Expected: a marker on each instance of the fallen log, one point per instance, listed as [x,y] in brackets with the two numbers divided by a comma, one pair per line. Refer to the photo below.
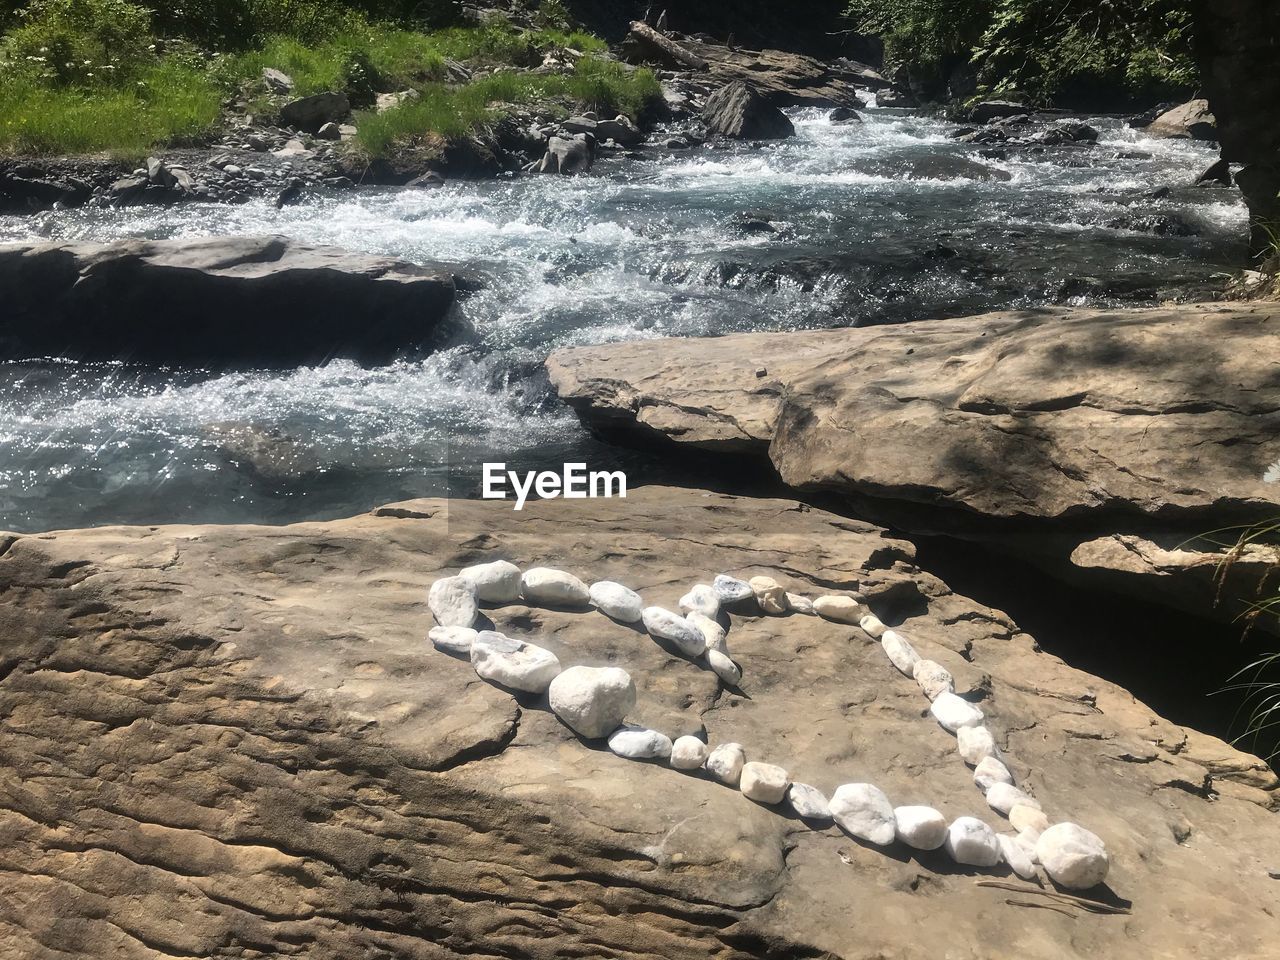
[663,47]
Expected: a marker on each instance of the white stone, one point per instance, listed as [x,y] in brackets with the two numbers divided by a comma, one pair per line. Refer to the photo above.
[592,701]
[640,743]
[972,842]
[724,667]
[725,763]
[688,753]
[1003,797]
[453,639]
[1073,856]
[990,771]
[614,600]
[554,587]
[453,602]
[872,626]
[953,712]
[921,827]
[839,609]
[513,663]
[808,802]
[1028,819]
[674,628]
[731,589]
[495,582]
[763,782]
[799,604]
[769,594]
[900,653]
[711,632]
[701,599]
[933,678]
[1017,853]
[976,744]
[865,812]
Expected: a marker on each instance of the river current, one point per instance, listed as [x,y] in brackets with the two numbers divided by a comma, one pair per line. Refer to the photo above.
[881,222]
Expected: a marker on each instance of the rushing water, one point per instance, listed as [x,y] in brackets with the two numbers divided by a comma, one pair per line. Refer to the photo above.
[867,232]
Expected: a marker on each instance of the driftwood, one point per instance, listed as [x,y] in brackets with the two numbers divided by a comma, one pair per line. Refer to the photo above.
[1093,906]
[663,47]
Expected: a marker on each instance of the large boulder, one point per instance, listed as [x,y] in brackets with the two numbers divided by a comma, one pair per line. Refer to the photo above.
[1192,120]
[237,740]
[313,112]
[567,156]
[737,110]
[258,300]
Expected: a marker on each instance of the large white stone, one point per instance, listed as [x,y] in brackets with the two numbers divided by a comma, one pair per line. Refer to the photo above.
[1028,819]
[808,802]
[954,712]
[495,582]
[972,842]
[1073,856]
[1018,854]
[513,663]
[900,653]
[933,678]
[453,602]
[921,827]
[839,609]
[553,587]
[991,771]
[731,590]
[976,744]
[592,701]
[675,629]
[453,639]
[688,753]
[614,600]
[711,632]
[802,605]
[725,763]
[769,594]
[763,782]
[1003,797]
[864,811]
[640,743]
[872,626]
[700,599]
[722,666]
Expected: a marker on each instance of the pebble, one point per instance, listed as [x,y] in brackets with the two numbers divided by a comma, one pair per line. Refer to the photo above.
[731,590]
[1003,797]
[921,827]
[972,842]
[701,599]
[872,626]
[1018,854]
[688,753]
[990,771]
[764,782]
[799,604]
[953,712]
[666,625]
[592,701]
[839,609]
[725,763]
[769,594]
[640,743]
[865,812]
[616,601]
[724,668]
[513,663]
[711,632]
[808,802]
[1072,856]
[900,653]
[555,587]
[1025,818]
[453,639]
[933,678]
[496,582]
[453,602]
[976,744]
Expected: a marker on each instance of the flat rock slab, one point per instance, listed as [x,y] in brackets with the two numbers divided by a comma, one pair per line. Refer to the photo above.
[237,741]
[243,300]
